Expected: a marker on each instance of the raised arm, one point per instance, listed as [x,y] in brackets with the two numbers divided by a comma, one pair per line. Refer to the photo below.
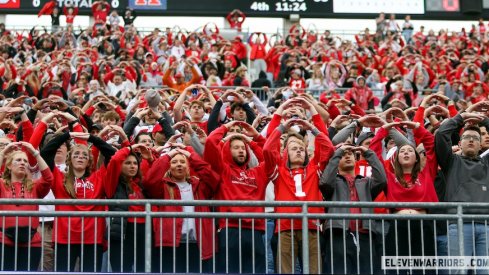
[443,140]
[152,182]
[49,151]
[105,149]
[378,179]
[207,176]
[114,171]
[327,183]
[213,147]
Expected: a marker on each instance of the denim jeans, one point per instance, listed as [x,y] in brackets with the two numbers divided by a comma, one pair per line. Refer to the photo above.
[474,242]
[267,241]
[442,250]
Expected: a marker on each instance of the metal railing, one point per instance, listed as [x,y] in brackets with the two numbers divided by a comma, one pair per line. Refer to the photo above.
[453,214]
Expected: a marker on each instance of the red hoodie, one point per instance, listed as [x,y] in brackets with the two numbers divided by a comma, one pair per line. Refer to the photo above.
[360,95]
[204,183]
[284,178]
[238,182]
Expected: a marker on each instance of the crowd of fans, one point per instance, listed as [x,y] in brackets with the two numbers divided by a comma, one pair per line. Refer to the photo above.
[108,113]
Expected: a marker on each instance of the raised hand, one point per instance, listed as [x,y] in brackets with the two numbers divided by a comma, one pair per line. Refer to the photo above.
[371,121]
[143,150]
[78,135]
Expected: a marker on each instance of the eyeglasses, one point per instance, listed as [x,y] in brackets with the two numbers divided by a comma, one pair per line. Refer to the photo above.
[471,137]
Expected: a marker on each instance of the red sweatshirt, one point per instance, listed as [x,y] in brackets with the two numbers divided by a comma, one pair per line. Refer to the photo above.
[92,230]
[423,189]
[238,182]
[39,190]
[204,183]
[301,184]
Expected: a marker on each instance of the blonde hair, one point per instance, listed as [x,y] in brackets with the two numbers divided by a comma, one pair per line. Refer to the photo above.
[69,180]
[168,173]
[7,174]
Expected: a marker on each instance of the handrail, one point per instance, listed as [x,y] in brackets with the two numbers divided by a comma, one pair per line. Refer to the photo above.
[431,205]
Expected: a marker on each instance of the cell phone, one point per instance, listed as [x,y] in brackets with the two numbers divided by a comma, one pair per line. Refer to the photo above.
[28,101]
[231,98]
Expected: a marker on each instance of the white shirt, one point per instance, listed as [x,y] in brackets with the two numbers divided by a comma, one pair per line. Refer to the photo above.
[177,51]
[124,87]
[188,227]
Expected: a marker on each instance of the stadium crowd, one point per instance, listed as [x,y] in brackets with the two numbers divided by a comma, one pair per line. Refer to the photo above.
[109,113]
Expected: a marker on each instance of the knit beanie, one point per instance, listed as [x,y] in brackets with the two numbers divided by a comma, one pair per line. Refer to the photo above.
[153,99]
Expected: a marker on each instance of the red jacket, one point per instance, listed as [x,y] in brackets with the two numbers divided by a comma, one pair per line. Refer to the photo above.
[204,183]
[39,190]
[238,182]
[285,178]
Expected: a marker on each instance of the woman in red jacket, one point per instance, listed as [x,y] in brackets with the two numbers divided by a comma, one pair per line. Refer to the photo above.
[123,181]
[19,238]
[407,182]
[185,177]
[78,237]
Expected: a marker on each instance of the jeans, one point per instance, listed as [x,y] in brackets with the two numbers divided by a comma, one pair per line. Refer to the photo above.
[407,34]
[259,65]
[475,244]
[442,250]
[267,241]
[442,245]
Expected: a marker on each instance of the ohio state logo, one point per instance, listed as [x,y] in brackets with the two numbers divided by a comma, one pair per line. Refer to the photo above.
[148,3]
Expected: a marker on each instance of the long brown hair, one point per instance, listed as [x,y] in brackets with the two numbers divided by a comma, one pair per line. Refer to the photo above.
[7,174]
[398,171]
[127,180]
[69,181]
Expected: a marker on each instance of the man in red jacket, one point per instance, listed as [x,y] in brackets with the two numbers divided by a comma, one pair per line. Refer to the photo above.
[239,182]
[297,179]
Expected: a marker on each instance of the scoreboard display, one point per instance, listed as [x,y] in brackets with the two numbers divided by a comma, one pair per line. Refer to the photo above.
[419,9]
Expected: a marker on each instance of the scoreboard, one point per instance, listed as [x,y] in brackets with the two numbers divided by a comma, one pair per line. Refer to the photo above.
[419,9]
